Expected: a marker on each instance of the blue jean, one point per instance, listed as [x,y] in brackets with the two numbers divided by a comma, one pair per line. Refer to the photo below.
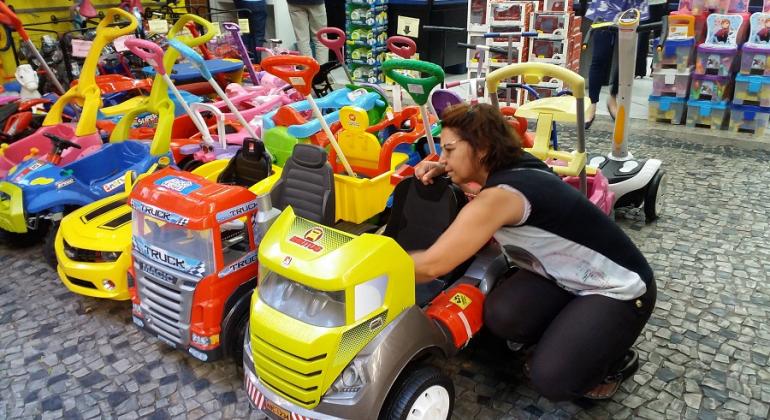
[256,12]
[601,62]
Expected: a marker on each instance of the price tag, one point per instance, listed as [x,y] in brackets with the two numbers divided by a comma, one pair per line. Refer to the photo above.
[414,88]
[80,48]
[158,26]
[297,81]
[669,78]
[244,24]
[120,42]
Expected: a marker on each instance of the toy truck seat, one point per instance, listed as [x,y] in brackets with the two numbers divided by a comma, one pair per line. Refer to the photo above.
[250,165]
[307,185]
[420,214]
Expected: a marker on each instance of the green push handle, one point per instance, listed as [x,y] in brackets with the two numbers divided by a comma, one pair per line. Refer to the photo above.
[419,88]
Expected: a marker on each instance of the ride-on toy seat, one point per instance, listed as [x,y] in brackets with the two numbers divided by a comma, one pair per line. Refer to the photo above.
[307,184]
[112,160]
[250,165]
[421,213]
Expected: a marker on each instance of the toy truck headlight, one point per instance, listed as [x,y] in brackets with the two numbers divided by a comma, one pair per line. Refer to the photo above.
[110,256]
[350,381]
[315,307]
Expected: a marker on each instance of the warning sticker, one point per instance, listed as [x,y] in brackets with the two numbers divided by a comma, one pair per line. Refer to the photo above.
[461,300]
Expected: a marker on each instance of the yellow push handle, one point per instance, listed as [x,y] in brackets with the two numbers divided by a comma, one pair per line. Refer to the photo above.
[111,32]
[533,73]
[190,41]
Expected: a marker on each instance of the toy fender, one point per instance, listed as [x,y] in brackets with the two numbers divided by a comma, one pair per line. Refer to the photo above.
[366,101]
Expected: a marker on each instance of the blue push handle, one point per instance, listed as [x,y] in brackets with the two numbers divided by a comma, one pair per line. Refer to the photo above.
[501,34]
[195,59]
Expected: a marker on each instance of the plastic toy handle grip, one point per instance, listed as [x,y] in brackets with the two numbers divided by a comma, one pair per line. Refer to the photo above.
[195,59]
[419,88]
[337,44]
[231,27]
[190,41]
[323,37]
[533,73]
[402,46]
[149,52]
[111,17]
[297,71]
[9,18]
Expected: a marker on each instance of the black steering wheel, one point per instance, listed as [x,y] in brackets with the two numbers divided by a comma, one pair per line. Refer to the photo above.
[60,144]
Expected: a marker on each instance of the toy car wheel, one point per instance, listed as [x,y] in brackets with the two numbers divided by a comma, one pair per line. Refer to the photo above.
[191,165]
[49,254]
[23,240]
[653,199]
[423,393]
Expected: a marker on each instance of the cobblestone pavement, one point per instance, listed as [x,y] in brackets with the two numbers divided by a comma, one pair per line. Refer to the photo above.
[703,355]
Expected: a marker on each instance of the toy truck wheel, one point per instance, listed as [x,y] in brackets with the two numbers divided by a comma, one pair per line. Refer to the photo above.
[653,199]
[49,254]
[423,393]
[235,337]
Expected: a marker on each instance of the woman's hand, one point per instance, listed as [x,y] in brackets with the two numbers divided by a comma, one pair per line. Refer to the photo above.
[425,171]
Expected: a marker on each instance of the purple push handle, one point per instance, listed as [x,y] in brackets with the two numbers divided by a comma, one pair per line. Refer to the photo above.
[335,44]
[235,31]
[402,46]
[149,52]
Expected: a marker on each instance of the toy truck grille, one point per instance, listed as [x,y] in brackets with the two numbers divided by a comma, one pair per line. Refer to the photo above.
[296,378]
[166,299]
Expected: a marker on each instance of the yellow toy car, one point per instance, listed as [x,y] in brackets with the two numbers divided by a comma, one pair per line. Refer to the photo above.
[339,330]
[93,245]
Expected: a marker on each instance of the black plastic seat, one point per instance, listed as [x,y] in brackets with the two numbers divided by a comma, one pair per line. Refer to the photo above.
[250,165]
[307,185]
[420,214]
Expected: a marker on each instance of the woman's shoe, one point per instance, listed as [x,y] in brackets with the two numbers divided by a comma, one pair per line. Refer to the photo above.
[588,123]
[610,385]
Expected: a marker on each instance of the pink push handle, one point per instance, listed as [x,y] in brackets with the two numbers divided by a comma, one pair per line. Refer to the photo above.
[402,46]
[147,51]
[335,44]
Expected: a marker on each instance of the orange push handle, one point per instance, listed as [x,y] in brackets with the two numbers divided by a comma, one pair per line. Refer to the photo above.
[297,71]
[9,18]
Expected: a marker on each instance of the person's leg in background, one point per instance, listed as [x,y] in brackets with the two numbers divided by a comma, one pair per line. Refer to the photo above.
[335,17]
[603,44]
[658,10]
[317,16]
[257,23]
[300,21]
[256,12]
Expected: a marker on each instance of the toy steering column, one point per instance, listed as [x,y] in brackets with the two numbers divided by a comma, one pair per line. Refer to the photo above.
[299,71]
[627,23]
[418,88]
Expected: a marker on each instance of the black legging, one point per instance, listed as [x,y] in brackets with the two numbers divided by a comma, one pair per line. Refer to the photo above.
[580,339]
[603,43]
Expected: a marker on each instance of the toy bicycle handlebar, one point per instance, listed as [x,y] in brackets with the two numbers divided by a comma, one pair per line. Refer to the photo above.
[419,88]
[619,22]
[111,32]
[335,44]
[533,73]
[502,34]
[149,52]
[490,48]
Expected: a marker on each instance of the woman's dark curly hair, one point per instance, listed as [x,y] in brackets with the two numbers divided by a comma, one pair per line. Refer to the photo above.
[485,128]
